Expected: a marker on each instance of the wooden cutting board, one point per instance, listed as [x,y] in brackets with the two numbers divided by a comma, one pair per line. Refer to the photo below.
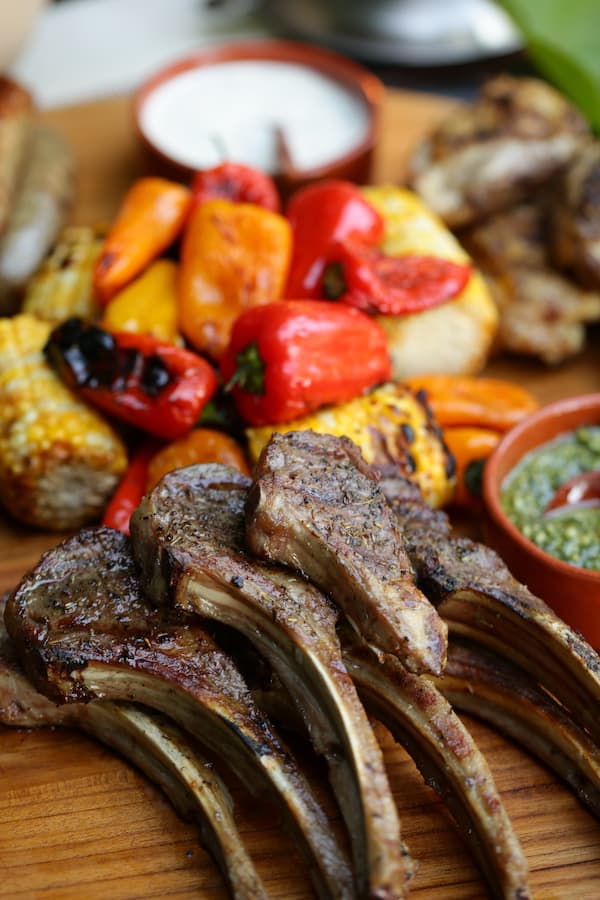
[78,822]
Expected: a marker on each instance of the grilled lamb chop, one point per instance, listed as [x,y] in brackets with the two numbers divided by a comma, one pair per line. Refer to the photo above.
[157,747]
[420,719]
[479,598]
[84,631]
[492,154]
[316,506]
[188,537]
[482,684]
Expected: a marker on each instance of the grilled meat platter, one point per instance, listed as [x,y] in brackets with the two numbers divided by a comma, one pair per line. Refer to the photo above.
[296,675]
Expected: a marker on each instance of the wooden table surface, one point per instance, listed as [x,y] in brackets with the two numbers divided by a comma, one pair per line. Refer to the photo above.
[78,822]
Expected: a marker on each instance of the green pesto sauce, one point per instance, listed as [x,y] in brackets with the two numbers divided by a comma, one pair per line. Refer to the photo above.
[573,533]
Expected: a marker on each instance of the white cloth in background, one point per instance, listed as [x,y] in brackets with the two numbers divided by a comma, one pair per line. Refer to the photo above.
[85,49]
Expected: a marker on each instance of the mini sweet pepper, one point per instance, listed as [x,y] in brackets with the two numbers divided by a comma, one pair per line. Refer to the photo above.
[286,359]
[151,384]
[150,218]
[234,256]
[321,215]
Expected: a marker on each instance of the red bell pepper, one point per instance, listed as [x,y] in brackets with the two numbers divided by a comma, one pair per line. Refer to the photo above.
[238,183]
[321,215]
[139,379]
[131,488]
[390,285]
[288,358]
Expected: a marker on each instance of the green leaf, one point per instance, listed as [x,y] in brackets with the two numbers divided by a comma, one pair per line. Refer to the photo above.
[563,41]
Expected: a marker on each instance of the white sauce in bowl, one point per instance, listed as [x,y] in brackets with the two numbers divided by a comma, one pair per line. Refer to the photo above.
[231,111]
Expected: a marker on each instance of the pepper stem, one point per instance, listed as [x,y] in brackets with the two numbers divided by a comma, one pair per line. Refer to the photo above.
[249,371]
[333,283]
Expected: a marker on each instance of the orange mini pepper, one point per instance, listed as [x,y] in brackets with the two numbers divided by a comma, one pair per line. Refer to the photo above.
[151,216]
[234,256]
[202,445]
[148,305]
[469,400]
[470,447]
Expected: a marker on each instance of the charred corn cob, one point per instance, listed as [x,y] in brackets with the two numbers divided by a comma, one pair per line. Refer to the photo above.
[59,461]
[62,286]
[392,427]
[455,337]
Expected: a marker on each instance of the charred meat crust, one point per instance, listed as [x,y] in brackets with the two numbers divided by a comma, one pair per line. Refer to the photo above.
[85,631]
[157,747]
[483,684]
[316,506]
[188,537]
[419,718]
[479,598]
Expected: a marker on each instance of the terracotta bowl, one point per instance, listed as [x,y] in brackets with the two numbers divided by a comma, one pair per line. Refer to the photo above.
[353,165]
[573,592]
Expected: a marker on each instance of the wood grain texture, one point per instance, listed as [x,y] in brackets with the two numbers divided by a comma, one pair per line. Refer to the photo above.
[78,822]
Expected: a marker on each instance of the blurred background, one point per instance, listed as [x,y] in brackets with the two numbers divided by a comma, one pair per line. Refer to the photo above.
[74,50]
[68,51]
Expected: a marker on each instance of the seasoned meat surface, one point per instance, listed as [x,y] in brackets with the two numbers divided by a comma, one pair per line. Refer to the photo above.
[84,630]
[421,719]
[479,598]
[575,217]
[480,682]
[188,537]
[316,506]
[542,313]
[490,155]
[153,744]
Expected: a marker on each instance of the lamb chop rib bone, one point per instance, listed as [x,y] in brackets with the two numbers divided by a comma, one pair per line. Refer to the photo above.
[84,631]
[188,538]
[483,684]
[297,467]
[316,506]
[479,598]
[419,718]
[157,747]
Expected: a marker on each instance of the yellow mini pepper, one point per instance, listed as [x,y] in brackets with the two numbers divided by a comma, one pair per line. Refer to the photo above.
[148,305]
[234,256]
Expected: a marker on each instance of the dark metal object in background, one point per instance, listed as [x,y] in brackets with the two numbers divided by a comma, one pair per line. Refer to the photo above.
[406,32]
[421,44]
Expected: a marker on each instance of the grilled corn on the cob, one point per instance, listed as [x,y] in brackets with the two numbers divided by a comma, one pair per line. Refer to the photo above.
[455,337]
[59,461]
[62,286]
[392,428]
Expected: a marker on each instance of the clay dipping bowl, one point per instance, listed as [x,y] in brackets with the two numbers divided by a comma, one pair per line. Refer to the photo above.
[571,591]
[353,164]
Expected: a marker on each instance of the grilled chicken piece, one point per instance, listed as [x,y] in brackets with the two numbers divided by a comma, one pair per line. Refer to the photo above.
[482,684]
[420,719]
[84,631]
[157,747]
[188,538]
[479,598]
[490,155]
[575,217]
[541,312]
[315,505]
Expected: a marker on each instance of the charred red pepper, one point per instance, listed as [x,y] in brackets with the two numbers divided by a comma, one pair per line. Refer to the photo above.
[390,285]
[139,379]
[288,358]
[131,488]
[321,215]
[238,183]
